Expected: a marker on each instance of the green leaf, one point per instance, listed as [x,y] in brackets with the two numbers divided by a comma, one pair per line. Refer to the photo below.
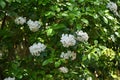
[84,58]
[2,3]
[19,1]
[58,26]
[50,60]
[49,32]
[95,42]
[9,1]
[78,26]
[85,21]
[80,1]
[50,14]
[117,34]
[57,64]
[105,20]
[89,56]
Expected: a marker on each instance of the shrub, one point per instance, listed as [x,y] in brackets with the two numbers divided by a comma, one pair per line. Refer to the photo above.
[59,39]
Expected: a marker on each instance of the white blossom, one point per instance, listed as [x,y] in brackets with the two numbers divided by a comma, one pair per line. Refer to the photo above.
[69,54]
[33,25]
[37,48]
[112,6]
[73,55]
[20,20]
[63,69]
[68,40]
[82,36]
[9,78]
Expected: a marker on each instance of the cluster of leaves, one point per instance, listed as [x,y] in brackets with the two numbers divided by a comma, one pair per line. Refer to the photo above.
[98,58]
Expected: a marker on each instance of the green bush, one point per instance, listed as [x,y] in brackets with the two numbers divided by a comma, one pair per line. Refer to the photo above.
[59,39]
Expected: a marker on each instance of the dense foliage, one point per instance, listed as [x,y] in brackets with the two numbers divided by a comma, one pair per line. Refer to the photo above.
[52,24]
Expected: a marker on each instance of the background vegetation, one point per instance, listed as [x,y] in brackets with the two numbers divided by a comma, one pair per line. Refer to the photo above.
[98,58]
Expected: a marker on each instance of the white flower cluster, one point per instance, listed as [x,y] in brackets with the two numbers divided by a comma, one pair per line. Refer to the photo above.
[37,48]
[82,36]
[68,40]
[9,78]
[112,6]
[20,20]
[33,25]
[69,54]
[63,69]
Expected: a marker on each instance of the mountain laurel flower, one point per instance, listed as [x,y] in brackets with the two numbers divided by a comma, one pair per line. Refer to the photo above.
[33,25]
[112,6]
[37,48]
[20,20]
[68,40]
[9,78]
[82,36]
[63,69]
[69,54]
[73,55]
